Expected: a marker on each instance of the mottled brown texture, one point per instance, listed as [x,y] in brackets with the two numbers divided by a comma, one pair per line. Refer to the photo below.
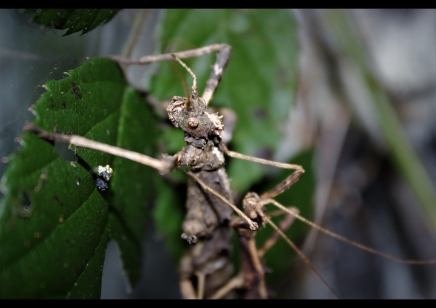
[206,268]
[207,219]
[183,112]
[207,224]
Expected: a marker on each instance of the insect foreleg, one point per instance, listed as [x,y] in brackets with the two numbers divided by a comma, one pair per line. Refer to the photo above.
[192,53]
[217,70]
[163,165]
[222,59]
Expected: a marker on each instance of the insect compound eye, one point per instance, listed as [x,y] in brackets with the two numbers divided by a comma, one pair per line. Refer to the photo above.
[193,122]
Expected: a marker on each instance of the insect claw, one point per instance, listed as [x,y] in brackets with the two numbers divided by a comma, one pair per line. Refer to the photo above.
[254,226]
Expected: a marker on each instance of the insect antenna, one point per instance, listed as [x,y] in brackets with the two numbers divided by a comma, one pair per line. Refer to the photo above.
[177,71]
[194,83]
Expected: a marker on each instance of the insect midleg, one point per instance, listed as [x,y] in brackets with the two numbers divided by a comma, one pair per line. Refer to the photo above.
[252,273]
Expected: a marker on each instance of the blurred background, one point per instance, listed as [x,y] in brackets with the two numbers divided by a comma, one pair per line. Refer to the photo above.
[369,97]
[366,106]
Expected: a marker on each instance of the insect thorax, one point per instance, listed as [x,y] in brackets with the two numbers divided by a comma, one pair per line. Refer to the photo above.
[202,130]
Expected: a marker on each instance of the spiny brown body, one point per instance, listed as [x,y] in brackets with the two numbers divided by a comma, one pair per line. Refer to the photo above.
[207,223]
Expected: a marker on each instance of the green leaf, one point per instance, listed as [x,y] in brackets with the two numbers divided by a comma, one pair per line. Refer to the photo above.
[74,20]
[54,222]
[171,216]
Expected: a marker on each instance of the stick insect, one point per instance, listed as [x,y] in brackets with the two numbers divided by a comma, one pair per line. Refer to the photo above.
[206,268]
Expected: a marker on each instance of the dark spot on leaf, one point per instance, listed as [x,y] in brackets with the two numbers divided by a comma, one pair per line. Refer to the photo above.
[76,91]
[58,200]
[25,204]
[64,105]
